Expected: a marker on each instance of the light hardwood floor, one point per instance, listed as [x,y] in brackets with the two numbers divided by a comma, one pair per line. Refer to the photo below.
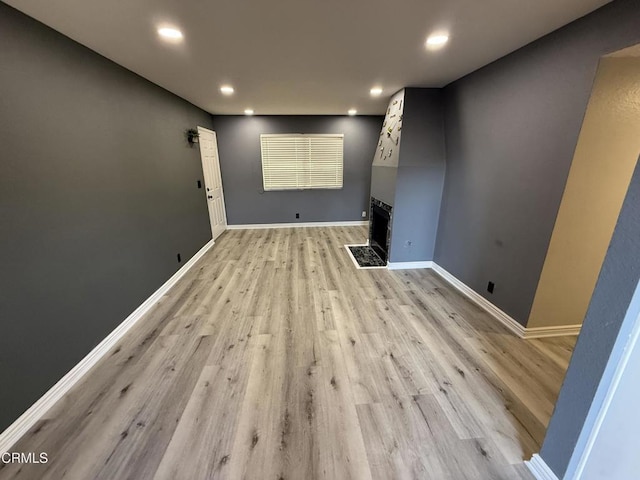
[274,358]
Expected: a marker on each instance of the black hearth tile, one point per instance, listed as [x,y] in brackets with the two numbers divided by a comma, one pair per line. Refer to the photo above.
[366,256]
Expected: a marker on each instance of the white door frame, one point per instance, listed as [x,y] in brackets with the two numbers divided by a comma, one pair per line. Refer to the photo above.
[213,178]
[612,377]
[628,339]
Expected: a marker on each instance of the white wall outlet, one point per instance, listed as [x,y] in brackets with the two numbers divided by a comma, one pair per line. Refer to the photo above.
[364,214]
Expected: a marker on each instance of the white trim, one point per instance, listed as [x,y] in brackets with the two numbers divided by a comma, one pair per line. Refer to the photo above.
[482,302]
[540,469]
[409,265]
[353,259]
[540,332]
[21,426]
[504,318]
[253,226]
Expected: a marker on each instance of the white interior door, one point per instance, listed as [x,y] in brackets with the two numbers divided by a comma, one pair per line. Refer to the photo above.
[213,181]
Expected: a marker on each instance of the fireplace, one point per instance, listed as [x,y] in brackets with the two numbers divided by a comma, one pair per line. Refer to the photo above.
[380,228]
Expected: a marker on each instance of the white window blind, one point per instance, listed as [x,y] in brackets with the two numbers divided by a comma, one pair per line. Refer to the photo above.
[298,162]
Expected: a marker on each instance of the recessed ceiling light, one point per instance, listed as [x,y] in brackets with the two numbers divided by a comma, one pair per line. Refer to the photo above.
[375,91]
[170,33]
[227,89]
[437,40]
[352,112]
[248,111]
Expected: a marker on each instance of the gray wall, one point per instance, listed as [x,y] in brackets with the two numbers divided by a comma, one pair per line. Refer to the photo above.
[384,169]
[511,131]
[603,323]
[247,203]
[420,177]
[97,196]
[383,183]
[614,455]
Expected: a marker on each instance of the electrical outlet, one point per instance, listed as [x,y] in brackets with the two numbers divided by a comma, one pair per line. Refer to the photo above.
[364,214]
[179,258]
[297,215]
[490,287]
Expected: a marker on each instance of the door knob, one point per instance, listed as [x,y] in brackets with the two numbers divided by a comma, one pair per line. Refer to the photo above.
[209,196]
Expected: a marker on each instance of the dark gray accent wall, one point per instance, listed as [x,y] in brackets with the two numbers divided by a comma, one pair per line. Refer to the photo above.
[603,324]
[241,167]
[415,213]
[97,196]
[511,131]
[420,177]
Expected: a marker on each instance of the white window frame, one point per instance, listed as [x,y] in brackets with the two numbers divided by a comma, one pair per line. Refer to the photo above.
[289,161]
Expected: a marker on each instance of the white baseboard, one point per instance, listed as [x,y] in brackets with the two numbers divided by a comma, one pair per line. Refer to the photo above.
[28,419]
[409,265]
[540,332]
[253,226]
[540,469]
[482,302]
[509,322]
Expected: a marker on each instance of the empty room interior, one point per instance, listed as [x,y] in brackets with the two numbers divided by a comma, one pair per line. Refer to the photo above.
[299,240]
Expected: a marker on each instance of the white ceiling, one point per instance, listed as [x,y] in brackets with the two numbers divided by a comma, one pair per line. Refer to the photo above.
[303,56]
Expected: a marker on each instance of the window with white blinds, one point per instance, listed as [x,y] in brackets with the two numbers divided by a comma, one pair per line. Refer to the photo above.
[298,162]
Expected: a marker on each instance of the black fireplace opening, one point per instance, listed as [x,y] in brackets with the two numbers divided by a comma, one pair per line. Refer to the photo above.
[379,231]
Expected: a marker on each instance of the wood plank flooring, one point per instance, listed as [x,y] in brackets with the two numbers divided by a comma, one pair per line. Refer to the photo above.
[275,358]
